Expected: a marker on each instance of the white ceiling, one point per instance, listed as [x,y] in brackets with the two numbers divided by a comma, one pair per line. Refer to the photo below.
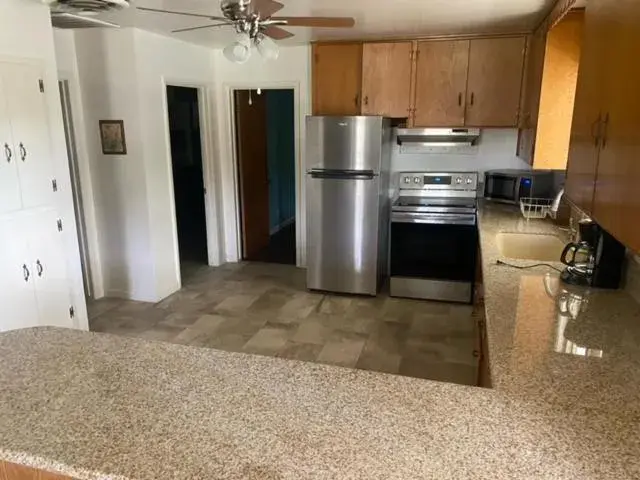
[374,18]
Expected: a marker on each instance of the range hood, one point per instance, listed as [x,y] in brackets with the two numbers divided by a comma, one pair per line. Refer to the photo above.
[438,137]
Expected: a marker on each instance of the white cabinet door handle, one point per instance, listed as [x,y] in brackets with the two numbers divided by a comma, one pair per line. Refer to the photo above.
[26,273]
[7,152]
[23,152]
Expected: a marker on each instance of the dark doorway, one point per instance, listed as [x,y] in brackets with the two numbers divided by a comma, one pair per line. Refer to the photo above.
[265,138]
[188,177]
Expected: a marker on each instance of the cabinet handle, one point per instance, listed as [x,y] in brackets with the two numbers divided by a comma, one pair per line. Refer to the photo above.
[460,99]
[356,100]
[473,98]
[476,353]
[23,152]
[39,268]
[605,131]
[25,272]
[366,100]
[7,152]
[595,126]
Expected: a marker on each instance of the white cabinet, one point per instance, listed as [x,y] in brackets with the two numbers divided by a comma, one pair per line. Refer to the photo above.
[34,285]
[25,137]
[9,185]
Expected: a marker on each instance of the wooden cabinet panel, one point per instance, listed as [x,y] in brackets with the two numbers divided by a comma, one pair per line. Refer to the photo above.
[441,83]
[584,141]
[337,78]
[616,201]
[386,79]
[495,81]
[11,471]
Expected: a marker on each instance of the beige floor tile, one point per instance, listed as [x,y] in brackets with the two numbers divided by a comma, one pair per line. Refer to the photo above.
[208,323]
[235,304]
[300,351]
[300,306]
[378,360]
[312,331]
[161,332]
[194,337]
[102,305]
[268,341]
[344,353]
[231,342]
[180,319]
[439,371]
[333,305]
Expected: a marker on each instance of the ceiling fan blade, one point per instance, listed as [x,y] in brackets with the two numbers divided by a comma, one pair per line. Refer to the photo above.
[147,9]
[266,8]
[276,33]
[200,28]
[319,22]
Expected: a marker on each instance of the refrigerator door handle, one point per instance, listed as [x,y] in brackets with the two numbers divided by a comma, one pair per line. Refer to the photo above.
[343,174]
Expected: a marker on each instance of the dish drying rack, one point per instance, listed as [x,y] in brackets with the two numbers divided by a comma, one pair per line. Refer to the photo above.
[537,208]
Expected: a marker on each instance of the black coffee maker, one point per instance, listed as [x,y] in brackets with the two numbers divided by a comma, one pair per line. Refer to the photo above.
[597,260]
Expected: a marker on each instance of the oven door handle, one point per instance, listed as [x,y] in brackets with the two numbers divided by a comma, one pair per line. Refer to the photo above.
[433,219]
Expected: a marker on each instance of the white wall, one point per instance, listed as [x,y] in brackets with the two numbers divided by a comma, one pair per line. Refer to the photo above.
[26,33]
[66,58]
[123,75]
[496,149]
[291,70]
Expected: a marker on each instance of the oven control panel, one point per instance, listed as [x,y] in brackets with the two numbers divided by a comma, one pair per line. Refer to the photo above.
[439,181]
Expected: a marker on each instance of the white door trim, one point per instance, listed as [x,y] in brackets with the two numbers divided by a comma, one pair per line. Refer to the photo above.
[229,89]
[207,134]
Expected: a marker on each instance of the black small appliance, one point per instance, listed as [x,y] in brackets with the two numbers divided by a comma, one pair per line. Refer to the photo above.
[596,261]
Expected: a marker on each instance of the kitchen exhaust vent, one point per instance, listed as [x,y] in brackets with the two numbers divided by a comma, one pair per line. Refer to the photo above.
[439,137]
[70,21]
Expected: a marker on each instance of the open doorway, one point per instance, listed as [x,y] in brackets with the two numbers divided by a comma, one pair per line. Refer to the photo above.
[188,178]
[265,140]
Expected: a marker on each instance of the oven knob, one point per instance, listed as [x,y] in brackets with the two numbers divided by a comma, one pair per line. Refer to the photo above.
[469,181]
[459,180]
[407,179]
[416,179]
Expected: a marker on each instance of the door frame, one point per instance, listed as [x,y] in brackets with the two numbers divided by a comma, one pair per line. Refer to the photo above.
[208,169]
[230,89]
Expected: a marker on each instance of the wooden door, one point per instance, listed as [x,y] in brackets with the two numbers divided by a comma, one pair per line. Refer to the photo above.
[441,83]
[584,139]
[386,79]
[337,78]
[253,173]
[9,183]
[48,265]
[17,294]
[495,82]
[30,126]
[616,201]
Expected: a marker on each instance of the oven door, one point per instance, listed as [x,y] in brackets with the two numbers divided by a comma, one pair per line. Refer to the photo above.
[504,188]
[432,258]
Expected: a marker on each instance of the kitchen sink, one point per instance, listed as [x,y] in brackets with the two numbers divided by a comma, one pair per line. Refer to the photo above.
[530,246]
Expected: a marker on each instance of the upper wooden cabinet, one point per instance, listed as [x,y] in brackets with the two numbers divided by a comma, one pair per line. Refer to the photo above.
[441,83]
[386,79]
[603,172]
[432,83]
[337,78]
[494,82]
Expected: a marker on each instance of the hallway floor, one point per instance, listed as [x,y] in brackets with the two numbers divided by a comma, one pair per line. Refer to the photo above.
[265,309]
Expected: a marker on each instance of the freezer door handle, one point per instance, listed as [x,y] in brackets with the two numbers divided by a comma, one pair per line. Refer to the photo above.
[343,174]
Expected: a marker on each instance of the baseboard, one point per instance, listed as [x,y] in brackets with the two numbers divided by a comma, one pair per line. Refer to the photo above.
[282,225]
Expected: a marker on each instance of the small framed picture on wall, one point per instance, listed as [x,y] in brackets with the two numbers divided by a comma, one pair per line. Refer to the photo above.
[112,137]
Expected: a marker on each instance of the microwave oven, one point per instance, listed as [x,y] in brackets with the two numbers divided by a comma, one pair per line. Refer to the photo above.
[509,186]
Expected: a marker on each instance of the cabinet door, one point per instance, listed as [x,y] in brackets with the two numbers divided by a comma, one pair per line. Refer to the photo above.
[441,83]
[31,136]
[49,268]
[616,202]
[584,140]
[337,78]
[495,81]
[17,296]
[386,79]
[9,184]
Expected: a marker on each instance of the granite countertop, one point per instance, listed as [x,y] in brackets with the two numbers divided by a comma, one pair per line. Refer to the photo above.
[97,406]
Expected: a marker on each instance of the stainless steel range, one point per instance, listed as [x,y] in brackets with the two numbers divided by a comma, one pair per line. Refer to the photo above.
[434,237]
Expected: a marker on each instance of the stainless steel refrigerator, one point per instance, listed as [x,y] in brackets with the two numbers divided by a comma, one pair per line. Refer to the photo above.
[347,202]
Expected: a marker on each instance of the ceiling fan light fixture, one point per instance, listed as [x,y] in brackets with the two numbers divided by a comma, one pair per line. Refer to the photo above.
[267,48]
[240,50]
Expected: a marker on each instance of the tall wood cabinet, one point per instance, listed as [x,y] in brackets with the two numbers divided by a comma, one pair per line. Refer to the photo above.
[337,78]
[386,79]
[34,282]
[603,171]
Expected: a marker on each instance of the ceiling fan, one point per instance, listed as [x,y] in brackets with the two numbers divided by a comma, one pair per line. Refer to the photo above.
[256,25]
